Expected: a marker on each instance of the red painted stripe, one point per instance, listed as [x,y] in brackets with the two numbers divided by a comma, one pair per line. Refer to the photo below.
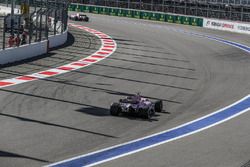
[26,78]
[79,64]
[66,68]
[107,46]
[103,53]
[108,42]
[48,73]
[2,83]
[98,57]
[89,60]
[109,50]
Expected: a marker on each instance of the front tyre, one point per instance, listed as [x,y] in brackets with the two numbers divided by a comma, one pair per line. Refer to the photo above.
[158,106]
[115,109]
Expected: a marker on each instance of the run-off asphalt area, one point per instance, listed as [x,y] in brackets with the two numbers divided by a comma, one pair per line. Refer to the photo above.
[67,115]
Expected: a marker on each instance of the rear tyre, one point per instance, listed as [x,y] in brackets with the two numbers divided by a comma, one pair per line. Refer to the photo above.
[148,114]
[158,106]
[115,109]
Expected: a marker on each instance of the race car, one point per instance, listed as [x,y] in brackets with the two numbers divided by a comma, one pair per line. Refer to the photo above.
[79,17]
[136,104]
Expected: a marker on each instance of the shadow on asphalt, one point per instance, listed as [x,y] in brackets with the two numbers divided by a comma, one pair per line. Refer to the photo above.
[13,155]
[125,40]
[95,111]
[144,71]
[147,51]
[136,81]
[102,112]
[132,44]
[153,57]
[47,123]
[154,64]
[109,91]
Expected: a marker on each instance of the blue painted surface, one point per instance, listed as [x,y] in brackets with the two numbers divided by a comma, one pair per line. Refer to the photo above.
[163,137]
[235,44]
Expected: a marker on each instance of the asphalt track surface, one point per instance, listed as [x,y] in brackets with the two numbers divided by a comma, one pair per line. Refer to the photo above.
[61,117]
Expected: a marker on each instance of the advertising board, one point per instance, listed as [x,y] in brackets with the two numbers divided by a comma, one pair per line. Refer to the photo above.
[227,25]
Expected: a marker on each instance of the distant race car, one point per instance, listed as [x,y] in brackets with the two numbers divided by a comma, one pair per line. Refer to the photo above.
[79,17]
[136,104]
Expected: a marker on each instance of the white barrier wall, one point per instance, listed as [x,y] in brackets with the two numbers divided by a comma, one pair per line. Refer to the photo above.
[23,52]
[58,39]
[227,25]
[4,10]
[15,54]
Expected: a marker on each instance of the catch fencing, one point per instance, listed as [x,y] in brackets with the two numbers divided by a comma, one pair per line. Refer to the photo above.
[24,23]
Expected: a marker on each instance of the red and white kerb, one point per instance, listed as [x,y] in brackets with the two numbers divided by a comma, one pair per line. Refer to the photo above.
[108,47]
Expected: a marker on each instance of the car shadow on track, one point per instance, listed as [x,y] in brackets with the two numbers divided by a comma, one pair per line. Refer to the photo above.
[102,112]
[96,111]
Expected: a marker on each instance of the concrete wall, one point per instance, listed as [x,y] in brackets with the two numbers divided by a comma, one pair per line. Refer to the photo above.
[15,54]
[58,39]
[23,52]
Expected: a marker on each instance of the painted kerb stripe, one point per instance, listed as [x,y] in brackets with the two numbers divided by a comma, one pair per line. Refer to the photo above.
[94,58]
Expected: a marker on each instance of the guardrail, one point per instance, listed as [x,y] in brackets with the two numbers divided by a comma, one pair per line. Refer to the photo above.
[139,14]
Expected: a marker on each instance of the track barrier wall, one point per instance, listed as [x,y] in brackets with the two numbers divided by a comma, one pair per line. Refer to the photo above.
[224,25]
[23,52]
[5,10]
[139,14]
[11,55]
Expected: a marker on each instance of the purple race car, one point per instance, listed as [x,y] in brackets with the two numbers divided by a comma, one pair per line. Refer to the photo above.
[136,105]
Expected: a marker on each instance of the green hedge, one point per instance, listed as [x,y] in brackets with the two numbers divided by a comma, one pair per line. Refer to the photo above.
[147,15]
